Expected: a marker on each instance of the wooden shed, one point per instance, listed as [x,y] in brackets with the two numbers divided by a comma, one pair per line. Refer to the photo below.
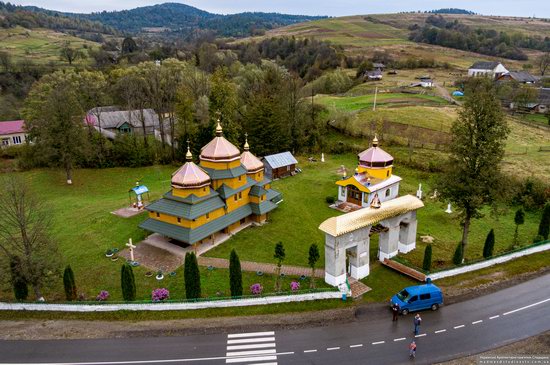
[279,165]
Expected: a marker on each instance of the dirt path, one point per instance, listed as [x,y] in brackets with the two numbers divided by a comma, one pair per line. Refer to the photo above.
[445,94]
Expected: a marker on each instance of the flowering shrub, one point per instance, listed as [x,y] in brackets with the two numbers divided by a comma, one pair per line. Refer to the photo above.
[102,296]
[256,289]
[158,295]
[294,286]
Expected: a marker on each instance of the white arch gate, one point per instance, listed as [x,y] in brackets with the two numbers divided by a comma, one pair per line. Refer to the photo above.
[348,236]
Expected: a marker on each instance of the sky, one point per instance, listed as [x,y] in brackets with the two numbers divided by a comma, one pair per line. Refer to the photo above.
[538,8]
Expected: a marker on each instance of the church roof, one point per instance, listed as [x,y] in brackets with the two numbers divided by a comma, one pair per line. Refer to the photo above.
[220,149]
[375,154]
[250,162]
[190,176]
[343,224]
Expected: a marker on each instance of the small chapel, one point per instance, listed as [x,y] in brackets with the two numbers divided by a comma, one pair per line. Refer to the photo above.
[373,181]
[225,192]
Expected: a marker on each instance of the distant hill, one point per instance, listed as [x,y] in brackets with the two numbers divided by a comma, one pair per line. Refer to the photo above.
[184,19]
[452,11]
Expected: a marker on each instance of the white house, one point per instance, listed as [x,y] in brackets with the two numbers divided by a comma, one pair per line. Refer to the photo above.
[484,68]
[12,133]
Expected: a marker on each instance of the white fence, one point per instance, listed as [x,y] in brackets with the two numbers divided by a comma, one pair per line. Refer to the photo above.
[487,263]
[169,306]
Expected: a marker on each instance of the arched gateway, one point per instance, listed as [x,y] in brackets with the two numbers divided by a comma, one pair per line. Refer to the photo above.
[350,233]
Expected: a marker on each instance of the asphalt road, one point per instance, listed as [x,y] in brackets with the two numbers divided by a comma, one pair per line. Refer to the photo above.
[453,331]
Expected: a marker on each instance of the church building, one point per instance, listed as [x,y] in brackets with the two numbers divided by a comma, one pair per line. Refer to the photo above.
[373,181]
[224,192]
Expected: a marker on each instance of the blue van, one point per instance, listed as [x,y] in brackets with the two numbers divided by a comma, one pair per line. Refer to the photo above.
[415,298]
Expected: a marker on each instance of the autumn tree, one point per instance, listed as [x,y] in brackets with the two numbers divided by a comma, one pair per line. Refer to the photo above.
[70,54]
[544,63]
[472,175]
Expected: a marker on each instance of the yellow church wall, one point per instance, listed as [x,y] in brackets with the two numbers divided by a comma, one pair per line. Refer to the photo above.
[235,203]
[256,199]
[183,193]
[220,165]
[380,173]
[233,183]
[258,176]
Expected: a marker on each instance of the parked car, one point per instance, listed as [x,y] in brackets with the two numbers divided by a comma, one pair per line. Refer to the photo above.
[419,297]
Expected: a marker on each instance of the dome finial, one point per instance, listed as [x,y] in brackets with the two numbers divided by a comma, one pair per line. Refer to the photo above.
[246,146]
[188,155]
[219,129]
[375,141]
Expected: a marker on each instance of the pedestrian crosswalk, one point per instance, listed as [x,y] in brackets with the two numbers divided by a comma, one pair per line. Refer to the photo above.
[253,348]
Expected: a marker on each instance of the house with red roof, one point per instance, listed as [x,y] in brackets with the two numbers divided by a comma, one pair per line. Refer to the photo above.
[12,133]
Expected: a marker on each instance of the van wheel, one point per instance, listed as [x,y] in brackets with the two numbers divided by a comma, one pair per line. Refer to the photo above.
[405,312]
[435,307]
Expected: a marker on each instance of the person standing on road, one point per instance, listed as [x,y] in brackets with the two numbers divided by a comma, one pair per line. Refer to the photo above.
[412,349]
[395,310]
[417,322]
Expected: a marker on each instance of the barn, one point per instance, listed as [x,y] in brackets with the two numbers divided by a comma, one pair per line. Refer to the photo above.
[279,165]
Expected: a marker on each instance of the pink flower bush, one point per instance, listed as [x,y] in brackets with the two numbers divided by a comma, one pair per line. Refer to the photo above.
[256,289]
[294,286]
[158,295]
[102,296]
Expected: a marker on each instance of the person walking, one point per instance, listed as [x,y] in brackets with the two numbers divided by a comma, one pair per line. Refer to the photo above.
[395,310]
[412,350]
[417,322]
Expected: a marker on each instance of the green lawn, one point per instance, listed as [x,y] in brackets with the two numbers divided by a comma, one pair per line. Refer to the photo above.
[354,103]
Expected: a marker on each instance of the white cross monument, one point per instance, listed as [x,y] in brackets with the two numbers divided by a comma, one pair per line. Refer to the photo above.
[131,247]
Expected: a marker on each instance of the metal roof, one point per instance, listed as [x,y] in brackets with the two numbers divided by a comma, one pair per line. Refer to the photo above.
[485,65]
[115,119]
[273,195]
[337,226]
[141,189]
[183,210]
[257,190]
[280,160]
[263,208]
[11,127]
[191,199]
[225,174]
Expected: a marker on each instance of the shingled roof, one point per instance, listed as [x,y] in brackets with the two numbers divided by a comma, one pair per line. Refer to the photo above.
[485,65]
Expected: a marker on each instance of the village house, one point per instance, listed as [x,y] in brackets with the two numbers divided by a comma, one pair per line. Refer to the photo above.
[484,68]
[279,165]
[374,75]
[12,133]
[111,121]
[522,77]
[379,66]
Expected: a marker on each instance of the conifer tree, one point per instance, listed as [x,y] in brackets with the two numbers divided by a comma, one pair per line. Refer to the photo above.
[519,219]
[20,288]
[489,244]
[128,283]
[312,260]
[544,226]
[235,275]
[192,277]
[69,283]
[427,264]
[458,256]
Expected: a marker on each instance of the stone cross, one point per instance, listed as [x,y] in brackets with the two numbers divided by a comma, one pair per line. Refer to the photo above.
[419,192]
[131,247]
[322,157]
[448,211]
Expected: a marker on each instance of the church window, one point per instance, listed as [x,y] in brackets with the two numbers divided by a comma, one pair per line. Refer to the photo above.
[158,215]
[235,197]
[388,192]
[179,220]
[387,173]
[207,215]
[240,178]
[240,195]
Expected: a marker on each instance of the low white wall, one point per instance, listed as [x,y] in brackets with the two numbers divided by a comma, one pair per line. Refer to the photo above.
[487,263]
[169,306]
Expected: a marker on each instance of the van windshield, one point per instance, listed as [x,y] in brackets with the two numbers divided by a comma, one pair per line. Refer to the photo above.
[403,294]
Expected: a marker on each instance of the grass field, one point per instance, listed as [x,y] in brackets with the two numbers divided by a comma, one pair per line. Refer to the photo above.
[39,45]
[355,103]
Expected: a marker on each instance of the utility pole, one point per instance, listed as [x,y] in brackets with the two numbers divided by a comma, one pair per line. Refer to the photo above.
[375,94]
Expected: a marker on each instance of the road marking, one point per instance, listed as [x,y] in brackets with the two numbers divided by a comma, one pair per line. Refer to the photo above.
[333,348]
[252,346]
[527,306]
[358,345]
[422,335]
[253,352]
[250,334]
[493,317]
[457,327]
[263,363]
[378,343]
[399,339]
[306,351]
[476,322]
[248,359]
[251,340]
[440,331]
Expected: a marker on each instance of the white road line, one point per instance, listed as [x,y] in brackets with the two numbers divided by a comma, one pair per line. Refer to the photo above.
[493,317]
[378,343]
[421,335]
[333,348]
[457,327]
[251,340]
[476,322]
[263,363]
[251,334]
[440,331]
[253,352]
[358,345]
[249,359]
[306,351]
[399,339]
[527,306]
[252,346]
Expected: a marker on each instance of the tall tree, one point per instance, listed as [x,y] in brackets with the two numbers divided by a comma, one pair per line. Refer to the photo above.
[427,263]
[54,118]
[519,219]
[279,256]
[18,281]
[129,46]
[235,275]
[544,63]
[544,225]
[223,102]
[489,245]
[24,232]
[128,283]
[472,175]
[70,54]
[192,276]
[312,259]
[69,284]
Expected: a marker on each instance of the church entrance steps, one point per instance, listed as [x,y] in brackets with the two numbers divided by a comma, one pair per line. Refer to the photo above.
[405,270]
[357,288]
[259,266]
